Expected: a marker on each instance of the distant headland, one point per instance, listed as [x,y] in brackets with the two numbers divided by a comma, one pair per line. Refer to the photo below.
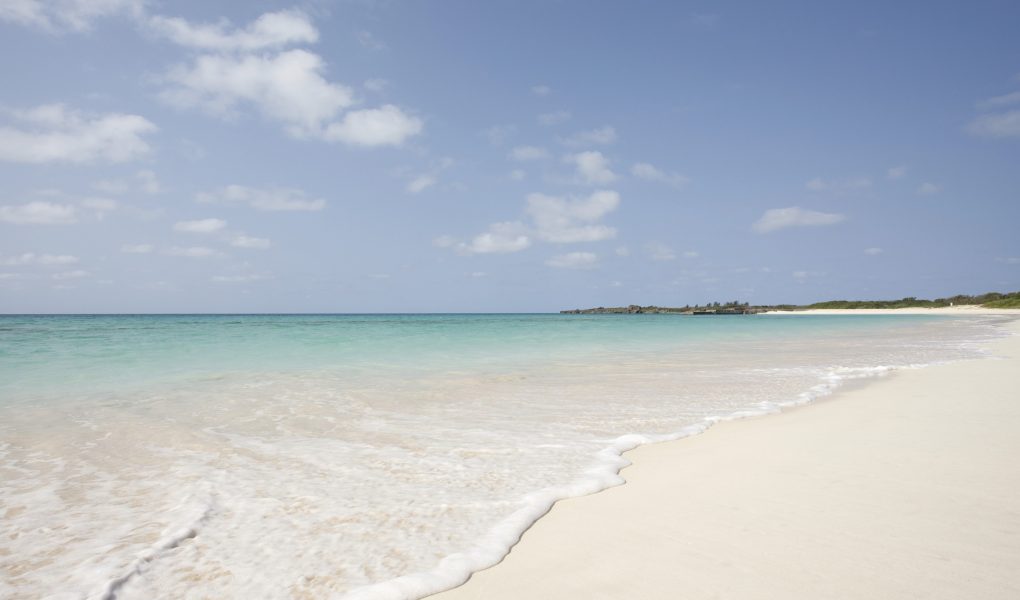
[735,307]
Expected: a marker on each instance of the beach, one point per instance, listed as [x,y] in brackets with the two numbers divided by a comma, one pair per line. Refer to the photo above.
[904,487]
[235,456]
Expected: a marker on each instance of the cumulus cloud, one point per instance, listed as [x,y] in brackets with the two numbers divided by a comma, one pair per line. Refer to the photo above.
[247,278]
[501,238]
[595,137]
[927,188]
[384,126]
[420,183]
[499,134]
[137,248]
[896,172]
[999,101]
[574,260]
[273,199]
[592,168]
[245,241]
[376,85]
[38,213]
[523,153]
[56,133]
[781,218]
[100,205]
[270,30]
[837,185]
[370,41]
[553,118]
[569,220]
[873,251]
[57,16]
[200,226]
[998,125]
[288,87]
[31,258]
[649,172]
[659,251]
[541,90]
[192,252]
[76,274]
[143,182]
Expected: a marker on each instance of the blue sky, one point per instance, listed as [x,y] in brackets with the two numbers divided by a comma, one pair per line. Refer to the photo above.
[503,156]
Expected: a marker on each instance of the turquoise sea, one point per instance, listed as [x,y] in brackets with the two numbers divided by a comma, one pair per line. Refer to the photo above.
[367,456]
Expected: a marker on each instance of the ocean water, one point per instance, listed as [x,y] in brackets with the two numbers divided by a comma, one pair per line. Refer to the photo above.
[367,456]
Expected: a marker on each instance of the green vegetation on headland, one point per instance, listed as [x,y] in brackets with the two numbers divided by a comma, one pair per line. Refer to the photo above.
[989,300]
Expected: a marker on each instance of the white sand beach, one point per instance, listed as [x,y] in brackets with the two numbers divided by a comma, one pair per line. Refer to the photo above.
[945,310]
[905,487]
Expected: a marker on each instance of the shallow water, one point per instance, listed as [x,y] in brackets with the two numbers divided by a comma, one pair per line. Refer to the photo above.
[379,456]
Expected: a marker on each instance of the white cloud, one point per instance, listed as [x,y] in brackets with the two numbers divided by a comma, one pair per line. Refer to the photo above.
[200,226]
[55,133]
[244,241]
[518,174]
[148,183]
[376,85]
[568,220]
[420,183]
[896,172]
[592,168]
[144,182]
[541,90]
[574,260]
[659,251]
[56,16]
[499,134]
[288,87]
[997,101]
[444,241]
[270,30]
[523,153]
[370,41]
[137,248]
[873,251]
[691,254]
[76,274]
[192,252]
[800,275]
[501,238]
[651,173]
[623,251]
[31,258]
[273,199]
[553,118]
[601,137]
[843,185]
[99,204]
[1012,260]
[38,213]
[927,188]
[238,278]
[383,126]
[999,125]
[780,218]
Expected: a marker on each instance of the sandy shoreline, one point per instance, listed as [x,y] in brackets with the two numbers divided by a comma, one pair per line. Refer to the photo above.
[903,488]
[946,310]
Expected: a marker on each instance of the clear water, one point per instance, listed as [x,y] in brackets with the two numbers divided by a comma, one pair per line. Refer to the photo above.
[379,456]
